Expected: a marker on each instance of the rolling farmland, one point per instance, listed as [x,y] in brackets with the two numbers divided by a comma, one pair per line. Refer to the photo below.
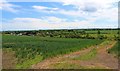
[26,49]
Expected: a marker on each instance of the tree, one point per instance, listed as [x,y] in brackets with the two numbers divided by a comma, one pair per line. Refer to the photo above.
[98,32]
[51,35]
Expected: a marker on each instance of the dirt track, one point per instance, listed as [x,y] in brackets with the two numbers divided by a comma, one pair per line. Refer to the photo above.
[8,59]
[102,59]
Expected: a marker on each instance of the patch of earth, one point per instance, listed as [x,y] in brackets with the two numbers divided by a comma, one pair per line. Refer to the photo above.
[8,59]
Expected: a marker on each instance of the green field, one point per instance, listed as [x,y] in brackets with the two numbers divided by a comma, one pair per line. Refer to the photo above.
[32,49]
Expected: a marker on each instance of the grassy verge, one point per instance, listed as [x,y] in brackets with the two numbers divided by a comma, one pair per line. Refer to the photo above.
[105,42]
[28,63]
[87,56]
[115,50]
[66,65]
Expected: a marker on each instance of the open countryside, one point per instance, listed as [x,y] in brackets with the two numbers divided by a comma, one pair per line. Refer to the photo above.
[61,49]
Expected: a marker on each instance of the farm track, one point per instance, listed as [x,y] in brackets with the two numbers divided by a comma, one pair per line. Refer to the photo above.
[102,59]
[0,58]
[8,60]
[45,64]
[106,59]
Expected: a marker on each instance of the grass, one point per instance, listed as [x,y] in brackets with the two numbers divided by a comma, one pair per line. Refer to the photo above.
[66,66]
[115,50]
[87,56]
[105,42]
[29,62]
[26,48]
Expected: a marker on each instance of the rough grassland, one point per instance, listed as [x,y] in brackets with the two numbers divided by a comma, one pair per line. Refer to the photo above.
[115,50]
[87,56]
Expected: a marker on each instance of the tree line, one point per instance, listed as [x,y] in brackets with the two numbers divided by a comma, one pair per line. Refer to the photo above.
[73,33]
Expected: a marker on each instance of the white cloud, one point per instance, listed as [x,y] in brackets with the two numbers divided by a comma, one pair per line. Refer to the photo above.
[81,3]
[40,7]
[97,9]
[9,7]
[45,23]
[43,8]
[91,10]
[0,8]
[104,9]
[54,20]
[35,23]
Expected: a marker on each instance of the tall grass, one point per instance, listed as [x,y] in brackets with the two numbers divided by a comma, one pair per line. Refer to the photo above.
[115,49]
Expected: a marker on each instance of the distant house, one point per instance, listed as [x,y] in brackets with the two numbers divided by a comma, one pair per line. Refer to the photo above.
[47,33]
[24,33]
[12,33]
[30,34]
[20,34]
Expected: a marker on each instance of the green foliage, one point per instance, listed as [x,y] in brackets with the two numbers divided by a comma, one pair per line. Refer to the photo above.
[73,33]
[98,32]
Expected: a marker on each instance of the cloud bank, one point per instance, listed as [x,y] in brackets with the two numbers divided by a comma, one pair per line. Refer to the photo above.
[96,14]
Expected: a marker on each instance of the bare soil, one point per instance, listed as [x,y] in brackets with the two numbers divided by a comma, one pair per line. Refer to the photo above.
[8,59]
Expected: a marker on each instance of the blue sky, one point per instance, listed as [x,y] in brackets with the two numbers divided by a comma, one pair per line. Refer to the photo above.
[62,14]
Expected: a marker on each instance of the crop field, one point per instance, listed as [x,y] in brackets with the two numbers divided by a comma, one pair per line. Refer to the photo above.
[34,48]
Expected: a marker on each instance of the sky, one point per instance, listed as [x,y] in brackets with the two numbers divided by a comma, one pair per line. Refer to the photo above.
[59,14]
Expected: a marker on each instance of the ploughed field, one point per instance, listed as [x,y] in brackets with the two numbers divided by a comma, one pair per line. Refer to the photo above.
[29,50]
